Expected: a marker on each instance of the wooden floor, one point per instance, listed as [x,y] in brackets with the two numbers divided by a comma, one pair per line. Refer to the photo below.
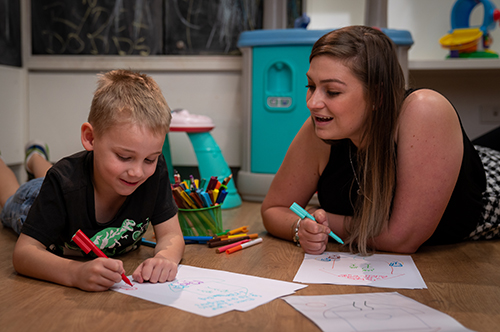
[463,281]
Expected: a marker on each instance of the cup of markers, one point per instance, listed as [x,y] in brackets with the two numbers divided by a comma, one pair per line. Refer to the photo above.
[199,207]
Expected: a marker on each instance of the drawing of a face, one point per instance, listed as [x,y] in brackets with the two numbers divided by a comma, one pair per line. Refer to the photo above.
[336,264]
[363,315]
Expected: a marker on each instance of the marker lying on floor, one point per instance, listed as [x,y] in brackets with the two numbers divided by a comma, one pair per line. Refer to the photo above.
[299,210]
[212,244]
[187,240]
[147,243]
[243,246]
[87,245]
[197,239]
[229,246]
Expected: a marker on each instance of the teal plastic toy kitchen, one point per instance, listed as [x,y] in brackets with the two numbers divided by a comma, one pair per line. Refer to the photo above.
[274,82]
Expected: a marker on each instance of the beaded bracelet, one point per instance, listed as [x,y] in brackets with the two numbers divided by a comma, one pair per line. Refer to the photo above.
[296,232]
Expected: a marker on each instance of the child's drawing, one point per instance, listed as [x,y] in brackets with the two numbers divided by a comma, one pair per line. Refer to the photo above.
[393,271]
[372,312]
[210,292]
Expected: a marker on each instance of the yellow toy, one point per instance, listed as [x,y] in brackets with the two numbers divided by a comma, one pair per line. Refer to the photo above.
[464,41]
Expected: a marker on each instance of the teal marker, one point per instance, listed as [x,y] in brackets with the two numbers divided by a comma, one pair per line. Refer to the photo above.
[299,210]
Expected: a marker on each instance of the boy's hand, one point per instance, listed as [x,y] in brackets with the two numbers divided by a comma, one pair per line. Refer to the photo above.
[313,235]
[156,269]
[99,274]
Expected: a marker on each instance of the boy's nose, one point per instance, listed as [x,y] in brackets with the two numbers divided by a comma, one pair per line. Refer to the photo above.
[135,171]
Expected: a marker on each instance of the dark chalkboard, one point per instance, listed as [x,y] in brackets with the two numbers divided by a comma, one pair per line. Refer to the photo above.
[101,27]
[145,27]
[10,33]
[208,27]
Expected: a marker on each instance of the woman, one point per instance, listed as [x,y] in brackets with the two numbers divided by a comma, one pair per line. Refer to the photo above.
[393,169]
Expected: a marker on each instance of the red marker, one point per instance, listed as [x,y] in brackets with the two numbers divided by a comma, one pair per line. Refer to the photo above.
[229,246]
[87,245]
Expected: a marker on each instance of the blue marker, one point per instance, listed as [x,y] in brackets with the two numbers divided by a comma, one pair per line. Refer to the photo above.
[198,239]
[148,243]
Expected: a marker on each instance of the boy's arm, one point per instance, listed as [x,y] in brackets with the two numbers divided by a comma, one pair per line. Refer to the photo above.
[32,259]
[168,253]
[169,240]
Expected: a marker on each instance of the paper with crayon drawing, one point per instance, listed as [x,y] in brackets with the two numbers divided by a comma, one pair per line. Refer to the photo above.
[372,312]
[389,271]
[209,292]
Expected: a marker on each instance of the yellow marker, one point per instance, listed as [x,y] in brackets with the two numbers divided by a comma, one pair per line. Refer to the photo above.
[188,199]
[236,235]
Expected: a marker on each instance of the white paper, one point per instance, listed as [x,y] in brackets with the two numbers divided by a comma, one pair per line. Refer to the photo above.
[372,312]
[389,271]
[209,292]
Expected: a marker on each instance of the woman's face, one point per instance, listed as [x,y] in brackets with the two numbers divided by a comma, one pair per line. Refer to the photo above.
[336,100]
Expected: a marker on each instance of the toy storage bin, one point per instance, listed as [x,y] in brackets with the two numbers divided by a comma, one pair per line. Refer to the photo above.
[275,63]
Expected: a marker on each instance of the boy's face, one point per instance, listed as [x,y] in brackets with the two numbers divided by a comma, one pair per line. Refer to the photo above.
[125,156]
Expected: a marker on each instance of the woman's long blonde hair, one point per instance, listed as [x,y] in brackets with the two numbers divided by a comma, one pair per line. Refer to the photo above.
[372,57]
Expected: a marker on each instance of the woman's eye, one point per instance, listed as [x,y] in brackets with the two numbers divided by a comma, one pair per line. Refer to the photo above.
[332,93]
[123,158]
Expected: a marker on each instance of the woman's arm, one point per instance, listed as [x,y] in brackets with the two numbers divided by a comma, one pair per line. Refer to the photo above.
[296,181]
[168,253]
[429,157]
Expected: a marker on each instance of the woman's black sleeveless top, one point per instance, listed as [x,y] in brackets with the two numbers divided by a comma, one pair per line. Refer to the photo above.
[337,191]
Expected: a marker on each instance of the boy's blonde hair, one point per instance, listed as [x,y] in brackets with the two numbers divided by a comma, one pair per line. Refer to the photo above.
[123,96]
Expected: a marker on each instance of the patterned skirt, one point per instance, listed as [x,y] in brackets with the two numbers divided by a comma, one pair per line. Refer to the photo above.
[489,226]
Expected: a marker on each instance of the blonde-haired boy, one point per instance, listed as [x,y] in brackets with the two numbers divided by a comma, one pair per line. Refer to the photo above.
[111,191]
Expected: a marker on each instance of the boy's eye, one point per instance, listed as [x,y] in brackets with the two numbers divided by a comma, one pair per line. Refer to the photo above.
[123,158]
[150,161]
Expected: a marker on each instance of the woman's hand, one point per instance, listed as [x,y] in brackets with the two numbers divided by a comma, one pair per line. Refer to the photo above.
[313,235]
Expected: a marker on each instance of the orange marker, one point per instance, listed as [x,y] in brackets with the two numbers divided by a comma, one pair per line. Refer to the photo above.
[243,246]
[242,229]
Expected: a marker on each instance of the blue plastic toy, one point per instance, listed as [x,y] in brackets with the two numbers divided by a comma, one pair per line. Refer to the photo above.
[465,41]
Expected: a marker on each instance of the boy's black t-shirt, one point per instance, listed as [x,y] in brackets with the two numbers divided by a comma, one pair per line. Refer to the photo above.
[66,204]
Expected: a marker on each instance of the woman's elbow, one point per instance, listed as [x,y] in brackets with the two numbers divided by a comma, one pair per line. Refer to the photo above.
[400,247]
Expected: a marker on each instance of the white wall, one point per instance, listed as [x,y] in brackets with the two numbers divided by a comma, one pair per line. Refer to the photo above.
[13,128]
[12,115]
[59,103]
[427,20]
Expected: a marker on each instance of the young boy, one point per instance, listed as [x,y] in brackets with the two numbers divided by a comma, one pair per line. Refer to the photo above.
[112,192]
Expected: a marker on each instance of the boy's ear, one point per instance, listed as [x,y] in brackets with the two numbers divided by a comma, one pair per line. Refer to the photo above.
[88,136]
